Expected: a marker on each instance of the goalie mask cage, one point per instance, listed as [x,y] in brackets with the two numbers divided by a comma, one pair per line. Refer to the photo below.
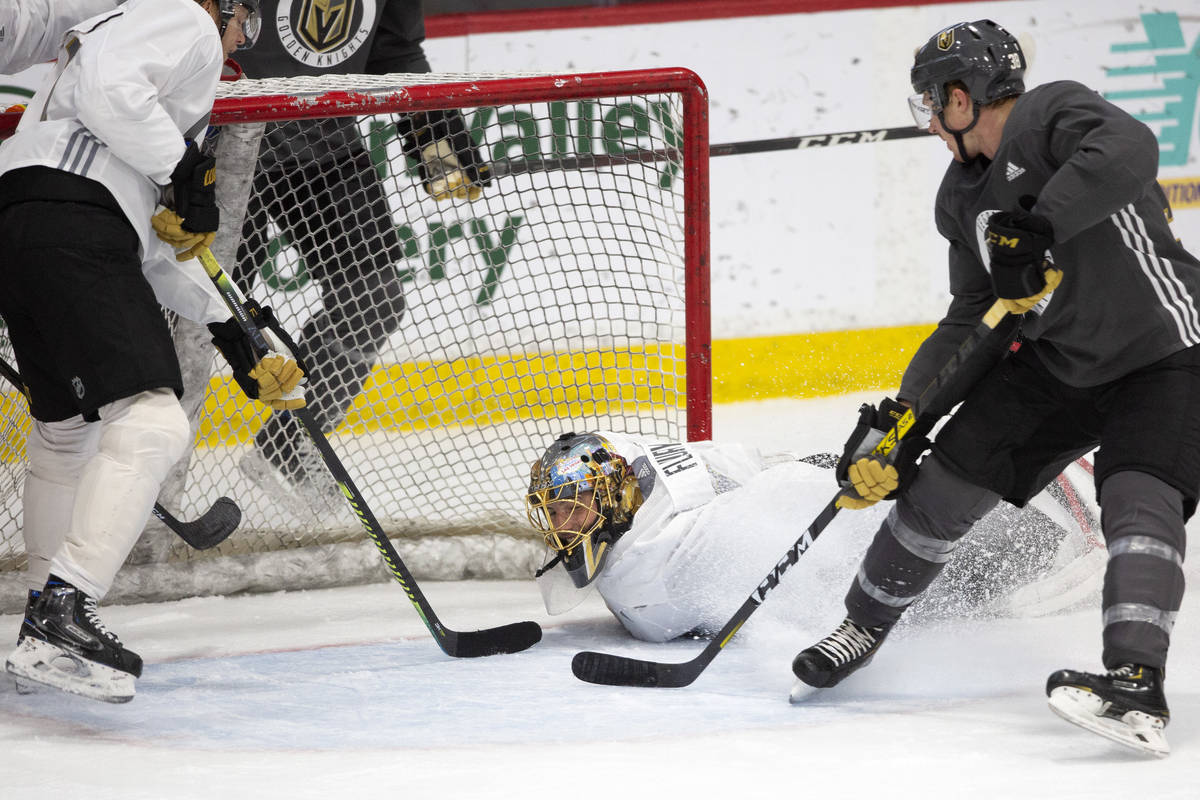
[571,295]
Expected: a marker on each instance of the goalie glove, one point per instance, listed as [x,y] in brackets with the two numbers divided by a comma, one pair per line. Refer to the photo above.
[866,477]
[1022,272]
[276,378]
[447,159]
[190,218]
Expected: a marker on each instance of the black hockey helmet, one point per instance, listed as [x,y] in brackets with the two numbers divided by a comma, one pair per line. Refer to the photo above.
[984,56]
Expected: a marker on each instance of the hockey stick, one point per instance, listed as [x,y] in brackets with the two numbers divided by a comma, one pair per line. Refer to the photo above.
[510,638]
[206,531]
[614,670]
[502,168]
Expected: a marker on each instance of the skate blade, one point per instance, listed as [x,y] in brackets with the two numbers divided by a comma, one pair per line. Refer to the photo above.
[42,663]
[1136,730]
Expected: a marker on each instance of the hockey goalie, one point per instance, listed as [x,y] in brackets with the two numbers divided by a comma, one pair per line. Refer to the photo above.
[674,535]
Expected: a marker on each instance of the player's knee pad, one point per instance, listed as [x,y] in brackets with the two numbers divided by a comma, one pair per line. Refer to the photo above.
[149,431]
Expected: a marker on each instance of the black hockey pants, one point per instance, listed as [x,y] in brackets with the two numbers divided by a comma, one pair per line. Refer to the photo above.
[335,213]
[1016,430]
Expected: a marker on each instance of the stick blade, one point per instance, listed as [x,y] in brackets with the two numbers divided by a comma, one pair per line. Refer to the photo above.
[512,638]
[610,670]
[210,529]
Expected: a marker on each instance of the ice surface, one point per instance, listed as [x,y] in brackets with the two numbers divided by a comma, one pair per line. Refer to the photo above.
[340,693]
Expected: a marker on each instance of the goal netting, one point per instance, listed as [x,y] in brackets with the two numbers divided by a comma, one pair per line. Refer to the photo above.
[452,340]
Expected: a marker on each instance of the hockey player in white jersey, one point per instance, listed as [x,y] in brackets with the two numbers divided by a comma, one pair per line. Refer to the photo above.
[84,277]
[674,535]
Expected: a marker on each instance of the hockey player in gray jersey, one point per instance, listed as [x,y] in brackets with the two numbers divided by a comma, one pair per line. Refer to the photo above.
[1051,204]
[316,185]
[673,535]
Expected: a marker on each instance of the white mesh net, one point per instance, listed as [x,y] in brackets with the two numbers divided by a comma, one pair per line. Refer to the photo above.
[450,341]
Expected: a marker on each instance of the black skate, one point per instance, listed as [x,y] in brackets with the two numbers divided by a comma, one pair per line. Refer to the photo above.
[64,645]
[287,467]
[828,662]
[1125,704]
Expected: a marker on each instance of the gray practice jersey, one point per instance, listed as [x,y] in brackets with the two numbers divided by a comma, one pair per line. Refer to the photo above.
[308,38]
[1129,290]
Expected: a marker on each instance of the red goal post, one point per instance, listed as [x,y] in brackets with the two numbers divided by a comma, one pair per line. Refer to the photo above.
[573,295]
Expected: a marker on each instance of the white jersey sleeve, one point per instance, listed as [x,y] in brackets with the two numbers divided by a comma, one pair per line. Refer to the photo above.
[31,31]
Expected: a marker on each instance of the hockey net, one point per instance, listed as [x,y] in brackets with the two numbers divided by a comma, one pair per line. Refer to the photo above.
[571,295]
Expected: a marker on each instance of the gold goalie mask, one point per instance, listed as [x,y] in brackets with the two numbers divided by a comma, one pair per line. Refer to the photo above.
[582,498]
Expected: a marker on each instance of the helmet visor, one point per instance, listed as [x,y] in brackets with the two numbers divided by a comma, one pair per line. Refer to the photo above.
[922,108]
[250,21]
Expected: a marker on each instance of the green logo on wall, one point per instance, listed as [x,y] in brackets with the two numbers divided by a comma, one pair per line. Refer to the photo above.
[1180,73]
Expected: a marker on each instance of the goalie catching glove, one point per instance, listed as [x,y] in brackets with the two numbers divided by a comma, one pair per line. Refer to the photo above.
[275,378]
[868,477]
[1022,272]
[447,158]
[190,218]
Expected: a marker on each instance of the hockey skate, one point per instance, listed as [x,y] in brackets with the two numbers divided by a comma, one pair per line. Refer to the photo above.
[288,469]
[1126,705]
[830,661]
[64,645]
[23,686]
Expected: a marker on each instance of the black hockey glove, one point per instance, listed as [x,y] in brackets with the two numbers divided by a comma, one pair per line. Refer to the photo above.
[275,378]
[1022,274]
[190,218]
[194,191]
[868,478]
[447,158]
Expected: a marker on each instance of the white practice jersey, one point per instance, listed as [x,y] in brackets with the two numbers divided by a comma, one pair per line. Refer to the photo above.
[117,110]
[118,107]
[31,31]
[700,499]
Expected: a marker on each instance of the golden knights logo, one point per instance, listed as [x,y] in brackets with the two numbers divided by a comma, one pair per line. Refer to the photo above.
[322,33]
[945,39]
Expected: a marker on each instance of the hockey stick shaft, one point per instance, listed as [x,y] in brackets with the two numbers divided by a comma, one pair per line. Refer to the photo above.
[613,670]
[208,530]
[502,168]
[491,641]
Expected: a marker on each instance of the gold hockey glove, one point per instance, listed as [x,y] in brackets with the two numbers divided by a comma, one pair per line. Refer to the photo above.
[275,379]
[867,478]
[169,227]
[447,157]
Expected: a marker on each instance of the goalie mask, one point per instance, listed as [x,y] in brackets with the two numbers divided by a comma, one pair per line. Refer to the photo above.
[582,497]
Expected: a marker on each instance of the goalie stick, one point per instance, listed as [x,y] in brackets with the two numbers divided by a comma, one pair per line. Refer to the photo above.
[206,531]
[511,638]
[614,670]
